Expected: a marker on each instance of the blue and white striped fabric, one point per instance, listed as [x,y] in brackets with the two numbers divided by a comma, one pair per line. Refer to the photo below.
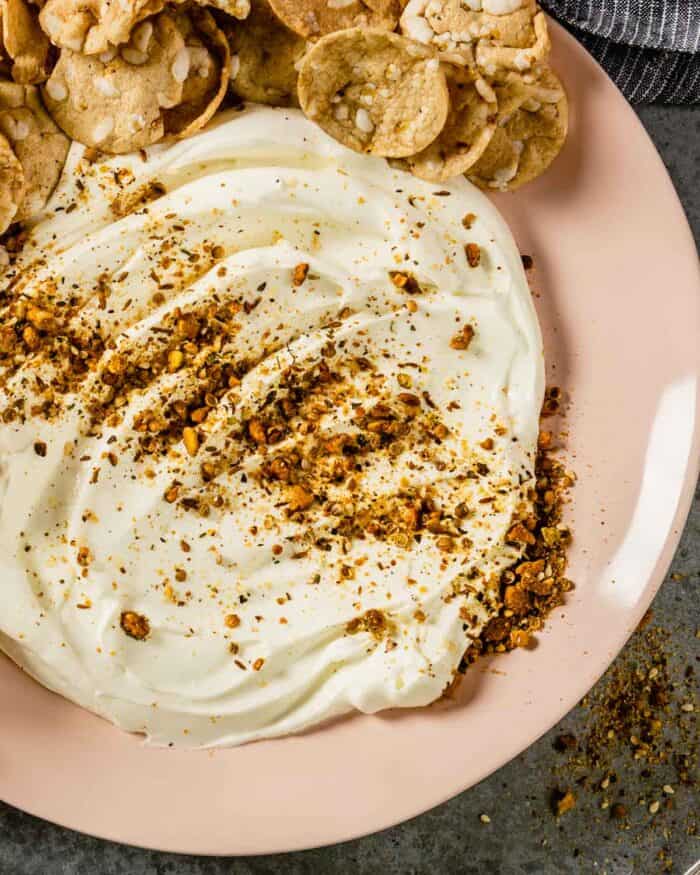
[650,48]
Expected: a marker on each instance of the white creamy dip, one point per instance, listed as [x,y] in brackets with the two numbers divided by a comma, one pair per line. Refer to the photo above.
[255,608]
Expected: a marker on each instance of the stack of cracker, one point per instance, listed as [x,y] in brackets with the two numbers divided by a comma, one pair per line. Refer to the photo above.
[440,87]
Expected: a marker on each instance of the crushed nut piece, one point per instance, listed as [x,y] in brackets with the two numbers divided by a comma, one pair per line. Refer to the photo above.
[564,802]
[191,440]
[176,359]
[300,498]
[299,274]
[135,625]
[406,282]
[473,253]
[463,338]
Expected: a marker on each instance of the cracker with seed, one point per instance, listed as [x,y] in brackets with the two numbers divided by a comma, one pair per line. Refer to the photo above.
[531,130]
[11,184]
[468,130]
[374,91]
[264,58]
[495,34]
[25,42]
[115,103]
[315,18]
[523,47]
[208,75]
[94,26]
[40,146]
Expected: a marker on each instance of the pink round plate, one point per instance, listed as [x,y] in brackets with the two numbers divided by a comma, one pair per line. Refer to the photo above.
[619,303]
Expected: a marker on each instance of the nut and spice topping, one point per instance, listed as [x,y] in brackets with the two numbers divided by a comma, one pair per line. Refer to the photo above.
[473,253]
[191,440]
[564,802]
[135,625]
[463,338]
[299,274]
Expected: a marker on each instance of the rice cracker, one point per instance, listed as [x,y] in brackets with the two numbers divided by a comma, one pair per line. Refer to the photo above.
[265,55]
[12,184]
[470,124]
[94,26]
[208,75]
[315,18]
[376,92]
[40,146]
[531,130]
[496,35]
[25,42]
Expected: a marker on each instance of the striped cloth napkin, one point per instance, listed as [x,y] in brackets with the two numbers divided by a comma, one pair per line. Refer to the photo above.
[650,48]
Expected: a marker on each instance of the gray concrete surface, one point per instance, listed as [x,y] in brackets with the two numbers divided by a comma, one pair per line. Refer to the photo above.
[523,836]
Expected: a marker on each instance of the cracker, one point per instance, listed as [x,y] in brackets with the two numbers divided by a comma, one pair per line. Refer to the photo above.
[94,26]
[532,126]
[208,76]
[507,51]
[374,91]
[495,34]
[25,42]
[40,146]
[315,18]
[468,130]
[264,58]
[11,184]
[116,104]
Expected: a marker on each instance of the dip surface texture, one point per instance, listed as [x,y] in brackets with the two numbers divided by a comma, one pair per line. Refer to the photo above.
[268,412]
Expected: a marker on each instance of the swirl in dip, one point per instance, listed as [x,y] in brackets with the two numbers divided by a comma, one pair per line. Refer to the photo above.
[269,412]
